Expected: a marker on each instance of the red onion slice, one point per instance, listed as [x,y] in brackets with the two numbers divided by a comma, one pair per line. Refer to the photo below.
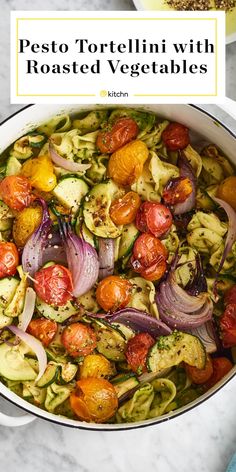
[32,256]
[206,333]
[28,311]
[106,250]
[35,345]
[140,321]
[231,235]
[65,163]
[82,260]
[186,170]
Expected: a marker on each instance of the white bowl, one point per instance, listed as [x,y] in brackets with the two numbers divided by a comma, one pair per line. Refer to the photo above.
[199,122]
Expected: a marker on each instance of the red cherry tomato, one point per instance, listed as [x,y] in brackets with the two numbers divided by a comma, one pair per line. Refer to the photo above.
[200,376]
[230,295]
[15,191]
[137,350]
[43,329]
[53,285]
[175,136]
[221,367]
[154,218]
[228,326]
[149,257]
[121,133]
[79,339]
[177,190]
[9,259]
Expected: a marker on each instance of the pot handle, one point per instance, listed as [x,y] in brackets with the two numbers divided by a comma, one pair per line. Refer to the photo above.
[13,421]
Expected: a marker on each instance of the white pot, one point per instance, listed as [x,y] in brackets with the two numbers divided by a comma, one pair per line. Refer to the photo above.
[198,121]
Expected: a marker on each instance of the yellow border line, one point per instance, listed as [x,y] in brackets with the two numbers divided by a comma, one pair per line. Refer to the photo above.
[136,94]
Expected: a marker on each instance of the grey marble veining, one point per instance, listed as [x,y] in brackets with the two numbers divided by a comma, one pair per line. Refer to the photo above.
[201,441]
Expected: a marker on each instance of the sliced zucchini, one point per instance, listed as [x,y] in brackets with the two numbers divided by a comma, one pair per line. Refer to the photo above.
[110,341]
[8,287]
[96,210]
[5,211]
[125,330]
[120,378]
[55,357]
[128,238]
[203,201]
[82,230]
[13,166]
[50,375]
[57,313]
[67,372]
[13,365]
[126,385]
[70,191]
[175,348]
[16,305]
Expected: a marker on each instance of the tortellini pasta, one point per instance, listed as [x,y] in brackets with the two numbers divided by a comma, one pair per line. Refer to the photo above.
[143,296]
[215,166]
[57,124]
[56,394]
[73,146]
[206,232]
[138,407]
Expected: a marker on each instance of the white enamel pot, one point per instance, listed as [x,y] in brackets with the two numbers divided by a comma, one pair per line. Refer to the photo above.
[198,121]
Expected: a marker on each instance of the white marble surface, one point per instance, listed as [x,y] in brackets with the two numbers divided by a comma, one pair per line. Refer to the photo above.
[201,441]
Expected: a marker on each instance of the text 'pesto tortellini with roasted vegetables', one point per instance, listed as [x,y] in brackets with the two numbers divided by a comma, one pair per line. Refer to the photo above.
[117,266]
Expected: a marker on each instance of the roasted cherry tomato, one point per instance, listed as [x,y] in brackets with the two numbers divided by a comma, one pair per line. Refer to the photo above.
[175,136]
[154,218]
[15,191]
[25,223]
[123,210]
[79,339]
[121,133]
[226,191]
[43,329]
[96,365]
[137,350]
[230,295]
[53,285]
[94,400]
[9,259]
[177,190]
[228,326]
[221,367]
[126,164]
[113,292]
[40,173]
[200,376]
[149,257]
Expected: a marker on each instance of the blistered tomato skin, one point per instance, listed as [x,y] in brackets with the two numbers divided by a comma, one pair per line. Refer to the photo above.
[124,210]
[226,191]
[43,329]
[94,400]
[96,365]
[126,164]
[228,326]
[40,173]
[149,257]
[53,285]
[121,133]
[176,137]
[177,190]
[230,296]
[137,350]
[25,223]
[200,376]
[79,339]
[154,218]
[113,293]
[15,191]
[221,367]
[9,259]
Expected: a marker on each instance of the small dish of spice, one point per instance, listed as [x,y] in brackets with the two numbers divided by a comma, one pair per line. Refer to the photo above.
[229,6]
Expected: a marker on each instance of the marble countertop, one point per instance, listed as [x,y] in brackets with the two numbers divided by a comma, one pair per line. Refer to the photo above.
[201,441]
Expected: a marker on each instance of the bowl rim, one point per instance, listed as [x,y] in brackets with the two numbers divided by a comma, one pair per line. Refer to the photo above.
[57,419]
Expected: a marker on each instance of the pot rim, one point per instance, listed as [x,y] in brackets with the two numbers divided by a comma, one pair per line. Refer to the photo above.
[56,419]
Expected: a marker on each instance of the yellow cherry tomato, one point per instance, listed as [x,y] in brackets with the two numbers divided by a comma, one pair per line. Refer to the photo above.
[25,223]
[126,164]
[40,173]
[226,191]
[96,365]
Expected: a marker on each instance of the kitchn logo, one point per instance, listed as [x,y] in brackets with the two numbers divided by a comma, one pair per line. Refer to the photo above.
[113,94]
